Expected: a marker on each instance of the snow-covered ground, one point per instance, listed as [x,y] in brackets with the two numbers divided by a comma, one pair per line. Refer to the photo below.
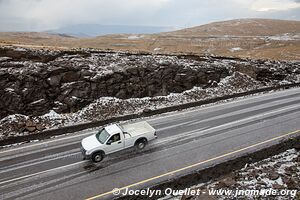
[284,37]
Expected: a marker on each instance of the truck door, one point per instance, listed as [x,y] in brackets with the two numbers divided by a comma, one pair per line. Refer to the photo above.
[114,143]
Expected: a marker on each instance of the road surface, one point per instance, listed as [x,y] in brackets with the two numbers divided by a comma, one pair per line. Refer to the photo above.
[187,140]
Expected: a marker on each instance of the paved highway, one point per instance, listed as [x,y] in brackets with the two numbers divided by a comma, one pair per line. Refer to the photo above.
[187,140]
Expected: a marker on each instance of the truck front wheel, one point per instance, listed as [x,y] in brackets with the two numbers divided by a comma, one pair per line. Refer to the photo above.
[97,157]
[140,144]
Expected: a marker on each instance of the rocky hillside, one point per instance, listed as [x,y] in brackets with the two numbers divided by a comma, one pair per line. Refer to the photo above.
[82,85]
[34,81]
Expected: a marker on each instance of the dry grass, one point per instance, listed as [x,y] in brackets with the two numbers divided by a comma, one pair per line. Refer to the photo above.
[216,38]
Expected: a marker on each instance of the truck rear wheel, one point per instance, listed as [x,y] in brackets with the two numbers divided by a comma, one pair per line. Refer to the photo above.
[140,144]
[97,157]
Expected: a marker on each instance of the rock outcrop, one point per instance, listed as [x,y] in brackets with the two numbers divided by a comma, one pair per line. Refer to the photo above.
[32,82]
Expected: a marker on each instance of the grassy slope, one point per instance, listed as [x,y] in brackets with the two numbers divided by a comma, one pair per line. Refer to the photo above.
[216,38]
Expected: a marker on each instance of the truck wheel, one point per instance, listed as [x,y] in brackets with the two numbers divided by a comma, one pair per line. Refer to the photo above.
[97,157]
[141,144]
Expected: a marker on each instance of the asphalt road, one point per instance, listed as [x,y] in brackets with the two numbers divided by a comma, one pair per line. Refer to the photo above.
[187,140]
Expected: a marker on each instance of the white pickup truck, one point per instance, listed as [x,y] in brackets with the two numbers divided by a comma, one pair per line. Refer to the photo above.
[116,137]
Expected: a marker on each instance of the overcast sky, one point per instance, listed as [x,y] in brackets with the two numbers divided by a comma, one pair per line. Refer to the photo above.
[39,15]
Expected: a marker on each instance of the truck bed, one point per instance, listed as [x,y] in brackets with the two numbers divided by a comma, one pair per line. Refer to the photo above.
[138,128]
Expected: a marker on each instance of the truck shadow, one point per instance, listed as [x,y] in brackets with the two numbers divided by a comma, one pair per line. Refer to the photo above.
[91,167]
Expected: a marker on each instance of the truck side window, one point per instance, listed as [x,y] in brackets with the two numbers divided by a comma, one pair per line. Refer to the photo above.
[114,138]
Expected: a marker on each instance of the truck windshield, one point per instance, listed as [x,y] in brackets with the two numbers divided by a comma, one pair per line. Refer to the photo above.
[102,136]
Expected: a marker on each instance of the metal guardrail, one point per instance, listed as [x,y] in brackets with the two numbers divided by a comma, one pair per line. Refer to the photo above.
[78,127]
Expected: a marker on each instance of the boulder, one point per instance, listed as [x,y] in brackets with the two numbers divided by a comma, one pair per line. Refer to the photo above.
[54,80]
[277,186]
[121,94]
[80,89]
[147,110]
[227,182]
[297,146]
[133,71]
[273,176]
[250,70]
[70,76]
[292,184]
[30,128]
[40,127]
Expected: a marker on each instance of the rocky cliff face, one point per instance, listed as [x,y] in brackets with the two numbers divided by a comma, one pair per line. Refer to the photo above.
[32,82]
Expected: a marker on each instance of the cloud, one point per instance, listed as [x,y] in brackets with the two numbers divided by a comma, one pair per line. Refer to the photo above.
[36,15]
[49,13]
[267,5]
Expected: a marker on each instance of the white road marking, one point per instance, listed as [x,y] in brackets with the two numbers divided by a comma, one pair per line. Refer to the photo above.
[23,165]
[20,154]
[46,142]
[252,117]
[178,136]
[191,133]
[227,103]
[42,172]
[175,125]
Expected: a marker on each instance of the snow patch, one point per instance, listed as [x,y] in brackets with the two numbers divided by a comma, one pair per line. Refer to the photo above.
[135,37]
[2,59]
[236,49]
[52,115]
[38,101]
[284,37]
[9,89]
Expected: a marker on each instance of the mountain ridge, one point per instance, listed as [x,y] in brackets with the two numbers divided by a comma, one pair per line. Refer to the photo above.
[258,27]
[93,30]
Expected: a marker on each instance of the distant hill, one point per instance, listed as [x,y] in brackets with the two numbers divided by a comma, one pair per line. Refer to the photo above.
[251,38]
[38,39]
[92,30]
[243,27]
